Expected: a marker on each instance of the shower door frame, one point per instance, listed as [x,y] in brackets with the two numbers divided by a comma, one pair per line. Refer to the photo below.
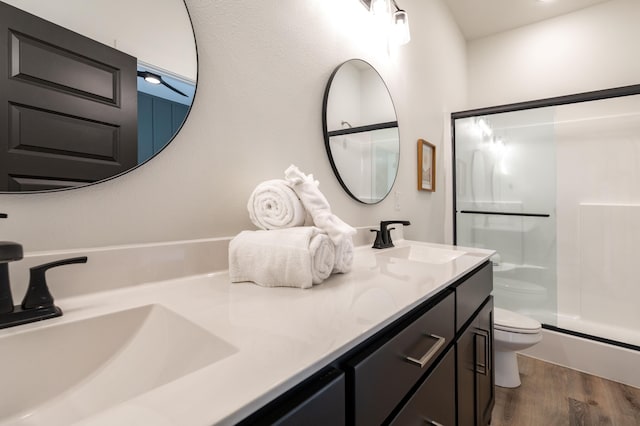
[540,103]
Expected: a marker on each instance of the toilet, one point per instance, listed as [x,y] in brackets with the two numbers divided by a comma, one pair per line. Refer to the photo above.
[512,332]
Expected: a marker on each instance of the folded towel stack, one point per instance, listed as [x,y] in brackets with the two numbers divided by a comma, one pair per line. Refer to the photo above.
[284,253]
[292,257]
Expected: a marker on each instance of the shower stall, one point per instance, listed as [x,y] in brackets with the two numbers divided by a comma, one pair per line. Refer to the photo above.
[553,186]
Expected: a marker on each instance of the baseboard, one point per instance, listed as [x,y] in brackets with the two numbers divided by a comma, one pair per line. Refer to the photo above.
[600,359]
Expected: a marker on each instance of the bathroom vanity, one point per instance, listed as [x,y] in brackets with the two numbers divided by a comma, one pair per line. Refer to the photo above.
[405,336]
[407,373]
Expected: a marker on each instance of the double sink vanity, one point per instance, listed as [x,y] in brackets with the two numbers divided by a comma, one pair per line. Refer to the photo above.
[156,334]
[407,335]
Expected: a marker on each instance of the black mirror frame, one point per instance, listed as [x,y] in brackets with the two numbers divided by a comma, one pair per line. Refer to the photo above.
[70,188]
[326,132]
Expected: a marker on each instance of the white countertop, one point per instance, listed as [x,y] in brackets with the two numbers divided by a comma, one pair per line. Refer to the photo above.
[277,336]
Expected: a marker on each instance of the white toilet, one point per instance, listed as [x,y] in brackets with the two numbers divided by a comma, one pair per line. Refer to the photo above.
[512,332]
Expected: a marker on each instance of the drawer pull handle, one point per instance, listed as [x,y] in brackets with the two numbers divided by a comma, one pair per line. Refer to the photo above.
[432,422]
[430,353]
[483,367]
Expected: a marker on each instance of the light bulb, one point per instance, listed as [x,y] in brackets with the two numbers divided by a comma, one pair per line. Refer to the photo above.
[152,79]
[379,7]
[401,33]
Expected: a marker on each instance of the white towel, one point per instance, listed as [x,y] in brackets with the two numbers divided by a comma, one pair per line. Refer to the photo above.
[344,256]
[317,205]
[291,257]
[273,204]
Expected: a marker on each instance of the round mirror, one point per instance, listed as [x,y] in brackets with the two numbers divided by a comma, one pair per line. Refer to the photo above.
[361,131]
[90,89]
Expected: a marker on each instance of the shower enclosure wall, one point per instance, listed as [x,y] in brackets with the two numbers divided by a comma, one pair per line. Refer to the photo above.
[554,187]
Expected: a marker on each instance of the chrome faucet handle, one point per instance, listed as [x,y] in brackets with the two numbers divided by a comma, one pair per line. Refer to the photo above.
[38,295]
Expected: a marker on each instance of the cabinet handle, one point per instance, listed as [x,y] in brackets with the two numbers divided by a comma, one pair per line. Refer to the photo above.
[432,422]
[483,367]
[430,353]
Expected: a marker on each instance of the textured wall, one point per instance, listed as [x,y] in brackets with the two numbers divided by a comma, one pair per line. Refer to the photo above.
[590,49]
[263,66]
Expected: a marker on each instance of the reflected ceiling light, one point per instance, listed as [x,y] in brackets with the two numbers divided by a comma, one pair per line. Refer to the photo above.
[484,127]
[152,78]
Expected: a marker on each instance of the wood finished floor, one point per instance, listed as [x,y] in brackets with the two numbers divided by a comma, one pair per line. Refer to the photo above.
[552,395]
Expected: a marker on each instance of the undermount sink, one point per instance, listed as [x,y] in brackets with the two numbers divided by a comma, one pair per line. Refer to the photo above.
[426,254]
[63,373]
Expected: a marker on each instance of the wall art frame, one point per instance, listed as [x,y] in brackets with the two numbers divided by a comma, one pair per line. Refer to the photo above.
[426,166]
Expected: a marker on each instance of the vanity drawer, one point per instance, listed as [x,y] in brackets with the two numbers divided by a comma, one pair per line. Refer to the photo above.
[382,374]
[472,292]
[434,403]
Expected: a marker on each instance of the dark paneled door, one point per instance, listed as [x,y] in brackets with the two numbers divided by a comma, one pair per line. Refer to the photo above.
[68,106]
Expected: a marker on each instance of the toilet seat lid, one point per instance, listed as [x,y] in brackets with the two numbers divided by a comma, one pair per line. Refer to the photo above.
[514,322]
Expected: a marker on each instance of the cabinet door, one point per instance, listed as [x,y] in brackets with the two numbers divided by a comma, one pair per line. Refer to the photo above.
[475,369]
[318,402]
[434,403]
[485,377]
[466,353]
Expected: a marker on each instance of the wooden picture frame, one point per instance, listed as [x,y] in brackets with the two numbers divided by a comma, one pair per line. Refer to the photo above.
[426,166]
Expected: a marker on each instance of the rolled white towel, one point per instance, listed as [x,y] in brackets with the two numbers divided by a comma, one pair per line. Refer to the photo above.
[273,204]
[291,257]
[344,256]
[317,205]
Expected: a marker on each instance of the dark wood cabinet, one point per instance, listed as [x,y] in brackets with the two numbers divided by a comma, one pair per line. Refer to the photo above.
[434,403]
[381,374]
[318,401]
[433,366]
[475,358]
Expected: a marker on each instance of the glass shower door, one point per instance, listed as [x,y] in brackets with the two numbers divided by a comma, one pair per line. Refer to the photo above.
[505,200]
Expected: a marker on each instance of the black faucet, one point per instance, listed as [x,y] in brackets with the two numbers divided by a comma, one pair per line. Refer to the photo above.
[8,253]
[38,303]
[383,236]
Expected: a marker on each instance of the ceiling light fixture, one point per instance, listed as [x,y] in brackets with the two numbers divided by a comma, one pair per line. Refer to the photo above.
[400,29]
[152,78]
[398,20]
[379,8]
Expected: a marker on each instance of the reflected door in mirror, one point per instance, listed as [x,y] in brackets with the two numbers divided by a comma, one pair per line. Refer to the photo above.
[52,138]
[68,106]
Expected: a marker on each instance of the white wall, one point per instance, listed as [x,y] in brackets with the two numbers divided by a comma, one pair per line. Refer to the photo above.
[263,67]
[591,49]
